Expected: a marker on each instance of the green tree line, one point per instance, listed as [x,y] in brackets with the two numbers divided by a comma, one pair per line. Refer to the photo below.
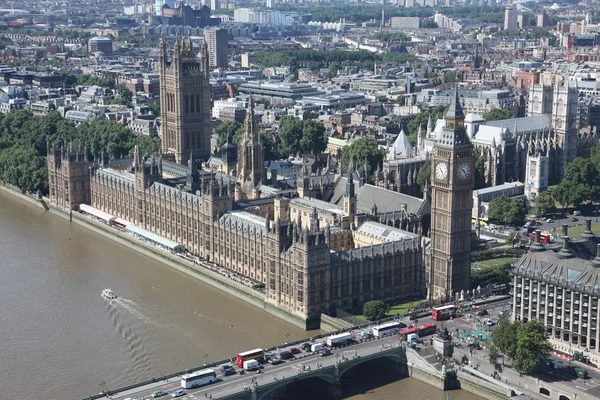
[23,138]
[335,59]
[366,12]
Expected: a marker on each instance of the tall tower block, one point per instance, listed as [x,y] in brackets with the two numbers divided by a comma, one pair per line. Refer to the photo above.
[564,122]
[451,207]
[184,101]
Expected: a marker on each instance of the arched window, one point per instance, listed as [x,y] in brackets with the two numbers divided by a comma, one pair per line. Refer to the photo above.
[197,103]
[191,103]
[187,105]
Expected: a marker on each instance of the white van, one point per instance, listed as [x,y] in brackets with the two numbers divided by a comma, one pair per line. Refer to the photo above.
[317,347]
[251,365]
[413,337]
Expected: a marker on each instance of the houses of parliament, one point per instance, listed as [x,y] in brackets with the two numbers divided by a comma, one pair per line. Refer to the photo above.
[312,255]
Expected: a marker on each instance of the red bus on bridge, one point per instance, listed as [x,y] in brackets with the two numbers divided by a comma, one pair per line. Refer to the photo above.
[256,354]
[444,312]
[427,329]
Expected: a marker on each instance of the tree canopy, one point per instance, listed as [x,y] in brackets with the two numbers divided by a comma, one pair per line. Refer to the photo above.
[525,343]
[506,211]
[484,276]
[301,137]
[23,138]
[125,96]
[333,59]
[532,347]
[374,310]
[505,337]
[366,12]
[497,114]
[581,182]
[424,174]
[361,150]
[223,130]
[544,204]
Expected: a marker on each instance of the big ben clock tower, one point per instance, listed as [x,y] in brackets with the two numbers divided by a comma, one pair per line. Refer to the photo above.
[451,207]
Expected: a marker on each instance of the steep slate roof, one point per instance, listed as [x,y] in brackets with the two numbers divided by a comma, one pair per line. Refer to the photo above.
[548,266]
[525,124]
[384,232]
[387,201]
[487,134]
[242,220]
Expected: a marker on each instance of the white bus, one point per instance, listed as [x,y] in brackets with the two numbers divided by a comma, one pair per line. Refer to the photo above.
[388,328]
[198,378]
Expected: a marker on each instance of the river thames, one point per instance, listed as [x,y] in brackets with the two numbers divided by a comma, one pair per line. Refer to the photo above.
[61,340]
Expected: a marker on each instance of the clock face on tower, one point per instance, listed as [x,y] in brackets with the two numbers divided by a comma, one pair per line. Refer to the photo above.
[464,171]
[441,170]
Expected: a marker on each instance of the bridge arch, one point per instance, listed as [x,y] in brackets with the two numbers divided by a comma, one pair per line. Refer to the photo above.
[390,357]
[563,397]
[544,391]
[319,378]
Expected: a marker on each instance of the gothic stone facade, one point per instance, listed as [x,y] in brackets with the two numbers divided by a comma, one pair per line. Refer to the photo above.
[68,177]
[184,102]
[301,273]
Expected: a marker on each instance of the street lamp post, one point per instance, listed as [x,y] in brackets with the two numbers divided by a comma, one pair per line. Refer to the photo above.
[205,358]
[287,335]
[102,383]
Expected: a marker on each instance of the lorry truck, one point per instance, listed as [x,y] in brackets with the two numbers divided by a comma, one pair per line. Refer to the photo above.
[340,339]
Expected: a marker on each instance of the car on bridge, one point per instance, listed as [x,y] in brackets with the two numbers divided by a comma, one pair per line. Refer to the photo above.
[227,370]
[295,350]
[325,353]
[178,393]
[306,346]
[159,393]
[275,361]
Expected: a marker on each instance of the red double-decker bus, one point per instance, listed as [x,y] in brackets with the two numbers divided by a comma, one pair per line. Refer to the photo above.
[256,354]
[444,312]
[427,329]
[408,331]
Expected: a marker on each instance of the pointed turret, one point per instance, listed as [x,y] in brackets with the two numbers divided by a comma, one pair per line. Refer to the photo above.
[350,186]
[162,51]
[350,168]
[419,139]
[455,111]
[429,127]
[374,209]
[205,57]
[250,123]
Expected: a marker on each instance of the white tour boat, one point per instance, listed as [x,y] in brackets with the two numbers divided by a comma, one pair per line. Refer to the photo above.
[108,294]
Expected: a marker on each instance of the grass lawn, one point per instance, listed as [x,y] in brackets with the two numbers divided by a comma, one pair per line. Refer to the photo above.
[578,230]
[404,308]
[496,262]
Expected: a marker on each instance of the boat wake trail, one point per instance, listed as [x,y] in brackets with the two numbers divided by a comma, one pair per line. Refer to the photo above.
[134,309]
[130,329]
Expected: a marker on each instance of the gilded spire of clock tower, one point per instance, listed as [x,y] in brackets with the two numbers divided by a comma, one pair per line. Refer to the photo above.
[449,266]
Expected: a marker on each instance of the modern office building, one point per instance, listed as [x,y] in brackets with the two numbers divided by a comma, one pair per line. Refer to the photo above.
[511,19]
[217,41]
[559,286]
